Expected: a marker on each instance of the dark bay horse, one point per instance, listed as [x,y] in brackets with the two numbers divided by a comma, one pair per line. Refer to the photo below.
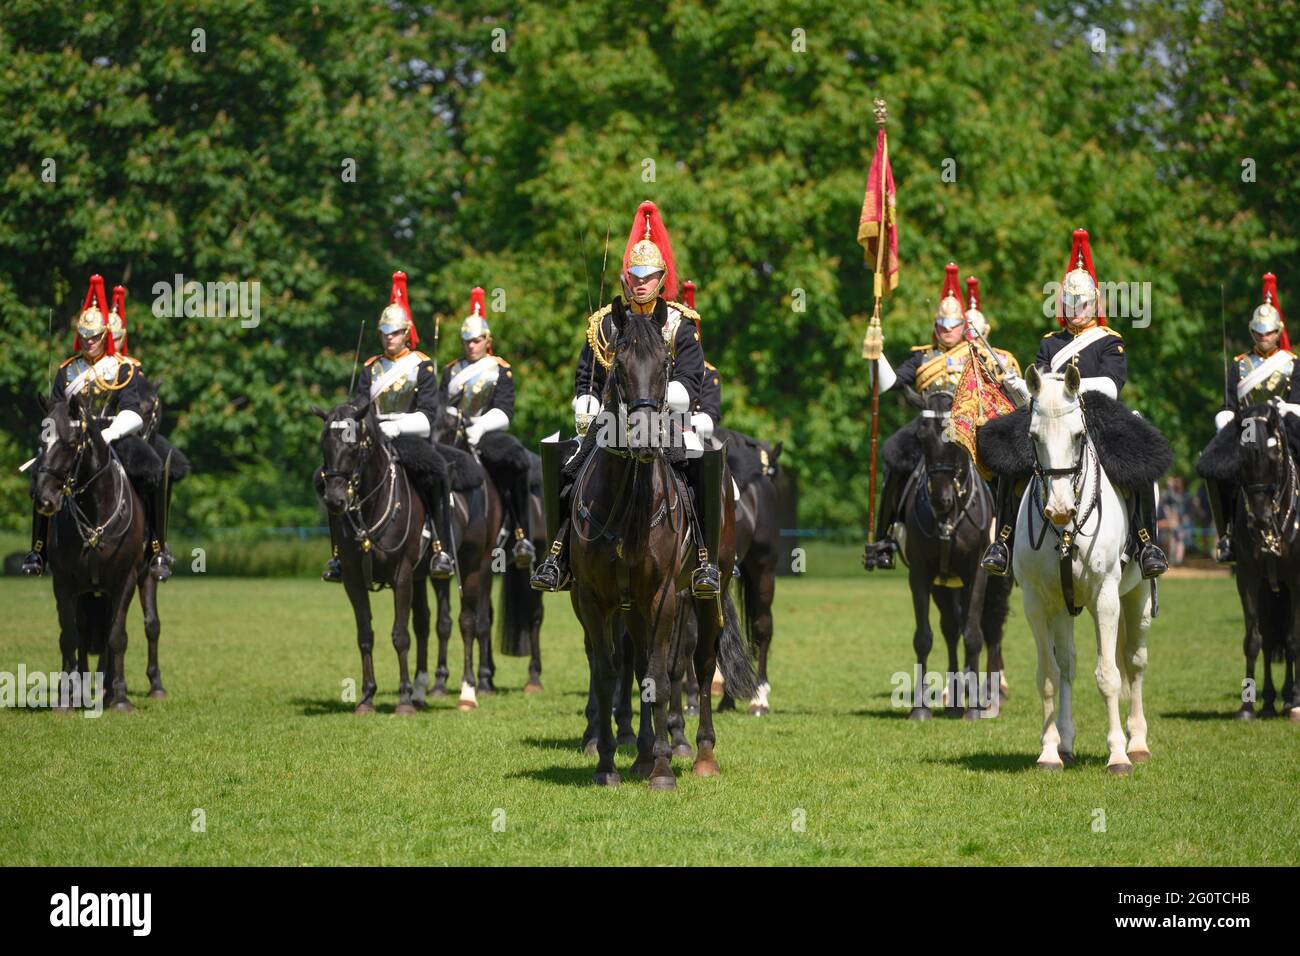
[96,546]
[383,517]
[631,565]
[947,511]
[1264,521]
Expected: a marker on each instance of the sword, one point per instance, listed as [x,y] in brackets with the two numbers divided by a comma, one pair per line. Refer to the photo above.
[162,490]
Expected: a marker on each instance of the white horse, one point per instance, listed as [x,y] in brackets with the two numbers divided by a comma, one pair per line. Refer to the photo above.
[1070,503]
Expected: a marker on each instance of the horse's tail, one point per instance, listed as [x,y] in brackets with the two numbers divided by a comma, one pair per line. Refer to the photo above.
[745,590]
[735,655]
[997,602]
[95,609]
[1275,619]
[519,607]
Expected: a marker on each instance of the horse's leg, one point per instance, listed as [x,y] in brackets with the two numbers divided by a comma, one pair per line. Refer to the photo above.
[442,595]
[402,635]
[657,639]
[469,615]
[117,643]
[1049,676]
[760,591]
[707,631]
[1251,643]
[1064,651]
[152,631]
[592,733]
[680,650]
[629,669]
[599,638]
[70,646]
[645,738]
[486,665]
[973,641]
[534,684]
[420,620]
[1106,615]
[1290,697]
[1136,622]
[360,599]
[922,637]
[951,603]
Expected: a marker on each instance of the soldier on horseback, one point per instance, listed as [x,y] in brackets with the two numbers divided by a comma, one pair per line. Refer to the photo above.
[109,384]
[937,366]
[649,283]
[1264,374]
[1097,351]
[403,385]
[479,390]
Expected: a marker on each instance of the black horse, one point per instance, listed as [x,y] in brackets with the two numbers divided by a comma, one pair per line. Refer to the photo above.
[384,517]
[947,512]
[1257,454]
[630,520]
[96,546]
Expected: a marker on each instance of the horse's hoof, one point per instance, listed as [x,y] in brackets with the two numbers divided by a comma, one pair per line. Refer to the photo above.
[1068,758]
[533,687]
[692,710]
[404,710]
[1295,715]
[1139,756]
[1267,713]
[668,782]
[683,750]
[919,713]
[1246,713]
[123,706]
[419,703]
[642,769]
[438,692]
[727,703]
[364,708]
[486,691]
[706,766]
[157,694]
[591,748]
[1119,769]
[465,706]
[606,778]
[1049,765]
[971,713]
[759,710]
[627,740]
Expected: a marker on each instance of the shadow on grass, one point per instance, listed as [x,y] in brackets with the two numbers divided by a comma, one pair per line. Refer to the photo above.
[559,776]
[889,712]
[327,706]
[1211,715]
[993,763]
[554,743]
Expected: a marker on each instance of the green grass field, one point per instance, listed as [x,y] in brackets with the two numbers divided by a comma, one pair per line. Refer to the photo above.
[255,734]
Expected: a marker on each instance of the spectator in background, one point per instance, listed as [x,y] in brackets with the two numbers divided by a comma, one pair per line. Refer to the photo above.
[1172,521]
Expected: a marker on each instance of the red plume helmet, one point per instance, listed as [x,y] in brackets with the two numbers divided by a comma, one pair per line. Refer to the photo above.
[1265,312]
[972,293]
[949,300]
[119,309]
[94,316]
[1078,272]
[649,249]
[398,297]
[476,322]
[688,293]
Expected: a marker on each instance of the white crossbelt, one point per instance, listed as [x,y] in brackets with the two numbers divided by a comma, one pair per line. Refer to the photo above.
[459,380]
[1081,342]
[1261,372]
[398,369]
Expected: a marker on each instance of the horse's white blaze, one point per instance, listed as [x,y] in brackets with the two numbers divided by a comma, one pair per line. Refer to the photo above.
[1114,592]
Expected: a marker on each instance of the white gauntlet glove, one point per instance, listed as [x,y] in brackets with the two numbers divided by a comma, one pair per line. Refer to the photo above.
[703,425]
[1100,383]
[412,423]
[1017,387]
[1287,408]
[123,423]
[585,408]
[494,419]
[1222,417]
[679,400]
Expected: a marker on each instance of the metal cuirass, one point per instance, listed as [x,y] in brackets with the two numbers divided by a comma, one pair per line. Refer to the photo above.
[1276,385]
[399,397]
[97,393]
[476,394]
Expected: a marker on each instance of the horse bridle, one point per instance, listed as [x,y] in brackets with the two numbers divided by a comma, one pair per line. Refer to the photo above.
[91,535]
[362,531]
[965,490]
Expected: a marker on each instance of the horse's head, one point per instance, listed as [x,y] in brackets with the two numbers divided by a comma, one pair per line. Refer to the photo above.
[346,441]
[1264,467]
[67,433]
[639,378]
[945,460]
[1057,429]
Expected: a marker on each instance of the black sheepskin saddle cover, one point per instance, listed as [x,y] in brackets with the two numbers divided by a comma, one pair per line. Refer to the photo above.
[902,450]
[744,456]
[180,465]
[141,461]
[534,473]
[502,455]
[1133,452]
[1221,460]
[443,463]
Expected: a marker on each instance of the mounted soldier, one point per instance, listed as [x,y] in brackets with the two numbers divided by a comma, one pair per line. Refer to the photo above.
[1085,342]
[110,386]
[402,384]
[1265,374]
[649,280]
[937,366]
[479,391]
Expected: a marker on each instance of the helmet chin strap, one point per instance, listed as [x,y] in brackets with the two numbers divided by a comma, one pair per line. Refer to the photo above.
[632,297]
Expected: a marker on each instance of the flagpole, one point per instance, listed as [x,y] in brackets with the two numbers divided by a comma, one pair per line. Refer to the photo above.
[874,343]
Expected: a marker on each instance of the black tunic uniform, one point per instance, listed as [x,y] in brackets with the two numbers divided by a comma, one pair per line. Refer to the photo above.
[1104,357]
[418,392]
[710,402]
[685,351]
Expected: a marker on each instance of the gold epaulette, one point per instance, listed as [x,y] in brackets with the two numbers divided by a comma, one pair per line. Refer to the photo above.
[1238,358]
[451,363]
[596,336]
[921,348]
[129,360]
[1110,331]
[68,361]
[1048,335]
[423,357]
[710,366]
[502,362]
[372,360]
[685,310]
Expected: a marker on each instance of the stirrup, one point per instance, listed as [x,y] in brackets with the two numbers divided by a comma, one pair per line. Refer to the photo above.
[34,564]
[997,559]
[441,567]
[706,581]
[879,555]
[550,576]
[1152,561]
[159,569]
[524,552]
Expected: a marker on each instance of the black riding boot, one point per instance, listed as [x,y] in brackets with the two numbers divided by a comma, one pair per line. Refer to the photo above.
[333,567]
[159,569]
[1151,559]
[705,474]
[1221,496]
[441,565]
[880,553]
[34,563]
[997,556]
[553,573]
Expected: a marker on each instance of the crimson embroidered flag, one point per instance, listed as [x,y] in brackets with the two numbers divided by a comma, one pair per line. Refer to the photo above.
[879,218]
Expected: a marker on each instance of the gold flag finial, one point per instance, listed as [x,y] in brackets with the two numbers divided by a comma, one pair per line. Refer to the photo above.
[879,108]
